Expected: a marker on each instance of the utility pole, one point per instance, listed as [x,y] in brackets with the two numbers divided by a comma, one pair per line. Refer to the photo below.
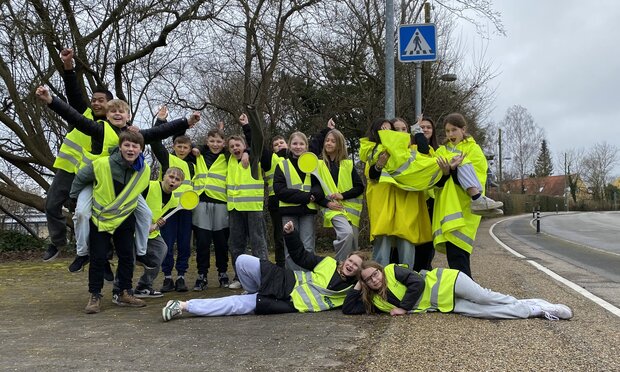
[389,60]
[418,70]
[566,184]
[501,176]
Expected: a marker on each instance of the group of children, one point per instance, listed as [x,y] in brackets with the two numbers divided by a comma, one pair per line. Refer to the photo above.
[421,197]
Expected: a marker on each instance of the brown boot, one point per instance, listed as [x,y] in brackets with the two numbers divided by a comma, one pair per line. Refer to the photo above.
[126,298]
[94,304]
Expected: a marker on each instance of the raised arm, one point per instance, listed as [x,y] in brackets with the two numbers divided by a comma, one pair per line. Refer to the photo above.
[74,118]
[299,255]
[72,88]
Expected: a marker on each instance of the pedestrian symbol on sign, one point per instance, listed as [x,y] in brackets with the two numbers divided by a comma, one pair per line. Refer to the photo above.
[417,45]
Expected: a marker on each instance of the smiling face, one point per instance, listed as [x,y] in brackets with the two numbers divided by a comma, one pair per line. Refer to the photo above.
[454,134]
[215,144]
[297,145]
[351,266]
[427,129]
[373,277]
[236,148]
[98,102]
[117,116]
[130,151]
[330,145]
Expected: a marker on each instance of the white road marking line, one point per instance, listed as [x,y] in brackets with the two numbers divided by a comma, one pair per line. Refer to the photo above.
[577,288]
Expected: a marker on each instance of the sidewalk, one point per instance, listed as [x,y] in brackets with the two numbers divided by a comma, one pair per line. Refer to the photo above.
[42,326]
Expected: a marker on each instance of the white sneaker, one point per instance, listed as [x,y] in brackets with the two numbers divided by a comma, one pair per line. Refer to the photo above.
[235,284]
[171,310]
[556,311]
[484,204]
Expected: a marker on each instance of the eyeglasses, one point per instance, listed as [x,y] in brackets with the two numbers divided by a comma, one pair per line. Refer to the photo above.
[374,276]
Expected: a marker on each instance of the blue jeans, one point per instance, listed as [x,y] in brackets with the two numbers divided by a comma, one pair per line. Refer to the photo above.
[177,229]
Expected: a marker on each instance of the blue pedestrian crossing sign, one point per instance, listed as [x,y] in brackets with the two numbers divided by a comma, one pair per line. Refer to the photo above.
[417,43]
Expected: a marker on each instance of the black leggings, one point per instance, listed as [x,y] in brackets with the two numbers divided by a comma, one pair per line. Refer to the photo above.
[458,259]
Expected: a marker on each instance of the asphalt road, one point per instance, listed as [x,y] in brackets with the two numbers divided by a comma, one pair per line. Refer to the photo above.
[582,247]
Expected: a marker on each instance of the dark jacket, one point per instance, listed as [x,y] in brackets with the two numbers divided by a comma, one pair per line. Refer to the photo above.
[277,283]
[412,280]
[295,196]
[96,131]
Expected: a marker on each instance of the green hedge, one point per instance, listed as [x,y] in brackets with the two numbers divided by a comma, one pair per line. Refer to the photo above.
[13,241]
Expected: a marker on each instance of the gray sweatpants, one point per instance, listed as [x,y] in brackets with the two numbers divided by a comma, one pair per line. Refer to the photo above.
[466,175]
[247,226]
[248,270]
[155,247]
[473,300]
[346,237]
[305,225]
[57,195]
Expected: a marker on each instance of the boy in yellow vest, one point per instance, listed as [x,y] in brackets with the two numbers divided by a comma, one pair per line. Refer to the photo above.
[160,198]
[178,228]
[70,155]
[118,181]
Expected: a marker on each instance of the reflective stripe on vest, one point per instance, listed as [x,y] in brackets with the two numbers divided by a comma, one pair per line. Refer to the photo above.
[211,181]
[110,210]
[352,207]
[243,192]
[438,292]
[110,141]
[310,293]
[275,160]
[397,288]
[69,155]
[175,161]
[293,182]
[154,201]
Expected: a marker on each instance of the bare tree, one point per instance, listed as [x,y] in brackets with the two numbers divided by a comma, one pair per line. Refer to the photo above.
[522,140]
[597,166]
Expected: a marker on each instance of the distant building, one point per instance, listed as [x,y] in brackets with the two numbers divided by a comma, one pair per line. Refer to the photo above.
[548,186]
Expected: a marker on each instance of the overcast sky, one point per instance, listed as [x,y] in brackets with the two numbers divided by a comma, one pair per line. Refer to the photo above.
[561,61]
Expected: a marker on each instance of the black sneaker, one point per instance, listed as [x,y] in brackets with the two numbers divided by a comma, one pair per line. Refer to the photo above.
[180,286]
[147,293]
[201,284]
[51,253]
[78,263]
[108,274]
[223,278]
[168,285]
[147,261]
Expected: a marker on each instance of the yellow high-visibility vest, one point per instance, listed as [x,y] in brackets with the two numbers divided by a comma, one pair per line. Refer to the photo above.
[293,181]
[438,294]
[174,161]
[110,210]
[275,160]
[452,217]
[243,192]
[110,141]
[310,293]
[69,155]
[352,207]
[211,181]
[154,201]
